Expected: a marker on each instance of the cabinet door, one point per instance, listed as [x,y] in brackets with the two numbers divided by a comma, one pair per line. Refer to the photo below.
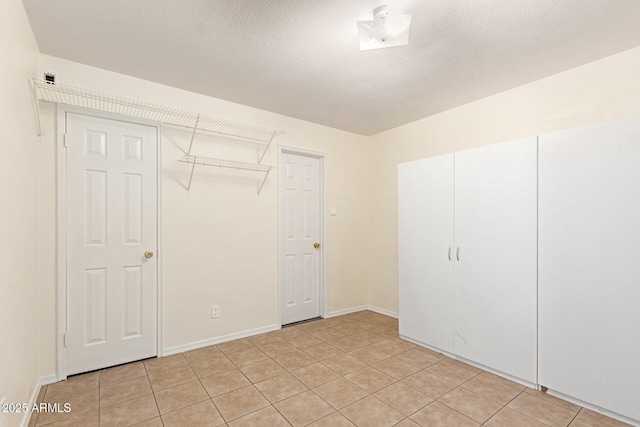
[589,240]
[496,271]
[425,233]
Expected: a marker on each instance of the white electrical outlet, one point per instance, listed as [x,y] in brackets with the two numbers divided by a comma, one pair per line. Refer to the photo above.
[215,311]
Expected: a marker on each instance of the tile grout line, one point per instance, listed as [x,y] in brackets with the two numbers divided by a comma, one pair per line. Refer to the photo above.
[309,388]
[455,410]
[272,404]
[153,393]
[522,413]
[100,394]
[259,391]
[200,381]
[367,337]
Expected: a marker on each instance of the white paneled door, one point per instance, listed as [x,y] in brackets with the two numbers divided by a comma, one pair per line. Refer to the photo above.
[111,242]
[300,237]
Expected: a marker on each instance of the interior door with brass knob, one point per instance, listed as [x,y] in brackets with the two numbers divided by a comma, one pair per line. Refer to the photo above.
[300,237]
[111,173]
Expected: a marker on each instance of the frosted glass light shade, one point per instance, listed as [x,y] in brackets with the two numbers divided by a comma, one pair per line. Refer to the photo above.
[391,31]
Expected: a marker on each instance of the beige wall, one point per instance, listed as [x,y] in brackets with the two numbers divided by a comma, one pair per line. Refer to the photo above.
[599,91]
[220,239]
[19,296]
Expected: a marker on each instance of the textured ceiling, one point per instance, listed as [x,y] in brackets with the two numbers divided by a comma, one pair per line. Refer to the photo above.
[301,58]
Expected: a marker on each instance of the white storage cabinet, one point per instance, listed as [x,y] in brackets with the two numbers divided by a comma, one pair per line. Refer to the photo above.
[589,251]
[467,255]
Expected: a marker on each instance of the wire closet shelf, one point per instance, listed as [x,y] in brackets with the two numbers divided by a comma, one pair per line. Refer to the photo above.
[68,95]
[77,97]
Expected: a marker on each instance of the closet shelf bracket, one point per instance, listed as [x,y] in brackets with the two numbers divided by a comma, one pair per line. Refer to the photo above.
[261,156]
[264,180]
[228,164]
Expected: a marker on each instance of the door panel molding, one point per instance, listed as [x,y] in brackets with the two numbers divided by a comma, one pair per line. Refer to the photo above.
[323,294]
[61,226]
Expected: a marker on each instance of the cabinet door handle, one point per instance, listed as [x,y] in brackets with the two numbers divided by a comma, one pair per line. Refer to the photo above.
[458,253]
[449,253]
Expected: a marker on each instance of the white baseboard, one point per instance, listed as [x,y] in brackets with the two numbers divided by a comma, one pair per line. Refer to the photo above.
[346,311]
[218,340]
[363,308]
[48,379]
[34,395]
[43,380]
[382,311]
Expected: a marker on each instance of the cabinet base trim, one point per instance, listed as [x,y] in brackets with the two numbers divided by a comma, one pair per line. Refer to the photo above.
[594,408]
[472,363]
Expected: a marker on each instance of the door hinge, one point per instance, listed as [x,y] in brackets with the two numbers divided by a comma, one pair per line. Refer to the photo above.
[64,339]
[64,140]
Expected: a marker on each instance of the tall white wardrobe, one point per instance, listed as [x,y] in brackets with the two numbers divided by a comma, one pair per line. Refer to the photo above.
[467,253]
[524,258]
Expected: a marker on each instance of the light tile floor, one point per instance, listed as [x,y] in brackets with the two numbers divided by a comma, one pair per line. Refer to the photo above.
[343,371]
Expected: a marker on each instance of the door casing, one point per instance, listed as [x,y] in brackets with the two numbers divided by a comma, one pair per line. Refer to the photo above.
[61,222]
[322,157]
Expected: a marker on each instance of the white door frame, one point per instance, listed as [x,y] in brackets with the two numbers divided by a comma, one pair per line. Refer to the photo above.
[322,157]
[61,220]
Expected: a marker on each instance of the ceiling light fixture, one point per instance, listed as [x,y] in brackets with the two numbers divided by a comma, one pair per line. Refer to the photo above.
[387,29]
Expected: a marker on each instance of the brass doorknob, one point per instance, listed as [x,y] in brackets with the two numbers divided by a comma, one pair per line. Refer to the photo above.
[316,245]
[148,254]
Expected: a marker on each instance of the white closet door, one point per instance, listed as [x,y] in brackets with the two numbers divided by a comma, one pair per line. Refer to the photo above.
[111,222]
[590,264]
[300,237]
[496,271]
[425,232]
